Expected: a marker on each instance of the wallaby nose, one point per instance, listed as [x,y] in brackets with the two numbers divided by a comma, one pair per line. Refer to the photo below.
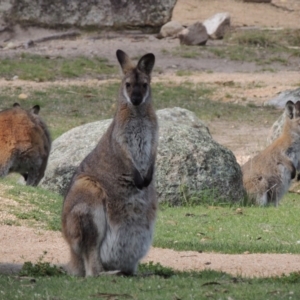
[136,97]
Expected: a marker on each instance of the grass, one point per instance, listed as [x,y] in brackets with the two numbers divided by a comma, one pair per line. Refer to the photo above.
[180,285]
[46,68]
[231,230]
[66,107]
[264,47]
[35,207]
[204,227]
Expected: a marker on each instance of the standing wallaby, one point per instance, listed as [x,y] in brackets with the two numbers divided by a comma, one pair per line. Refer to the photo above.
[110,208]
[24,143]
[267,176]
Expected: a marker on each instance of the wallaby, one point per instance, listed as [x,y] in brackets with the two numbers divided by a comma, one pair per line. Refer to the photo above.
[110,207]
[268,175]
[24,143]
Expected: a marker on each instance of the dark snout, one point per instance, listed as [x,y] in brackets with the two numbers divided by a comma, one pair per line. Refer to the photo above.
[136,96]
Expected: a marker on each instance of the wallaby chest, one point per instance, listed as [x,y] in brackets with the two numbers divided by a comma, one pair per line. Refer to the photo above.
[138,137]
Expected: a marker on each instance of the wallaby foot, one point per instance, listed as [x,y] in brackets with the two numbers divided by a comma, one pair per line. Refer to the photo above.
[92,263]
[76,266]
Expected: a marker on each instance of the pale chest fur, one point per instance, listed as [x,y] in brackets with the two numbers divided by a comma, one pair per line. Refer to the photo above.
[139,137]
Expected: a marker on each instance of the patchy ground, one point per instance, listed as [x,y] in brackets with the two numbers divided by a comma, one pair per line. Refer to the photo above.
[19,244]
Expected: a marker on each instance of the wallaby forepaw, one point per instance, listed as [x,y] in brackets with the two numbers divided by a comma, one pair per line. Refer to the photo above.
[138,179]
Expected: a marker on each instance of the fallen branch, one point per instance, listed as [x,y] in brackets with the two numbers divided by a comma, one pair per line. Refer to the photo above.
[30,43]
[65,35]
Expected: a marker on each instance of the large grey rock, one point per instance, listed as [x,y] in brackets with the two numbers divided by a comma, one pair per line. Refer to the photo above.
[282,98]
[5,6]
[95,13]
[195,34]
[189,161]
[217,25]
[170,29]
[68,151]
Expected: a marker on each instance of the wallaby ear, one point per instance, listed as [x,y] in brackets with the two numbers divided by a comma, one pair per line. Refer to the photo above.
[35,109]
[146,63]
[297,109]
[124,61]
[289,109]
[16,104]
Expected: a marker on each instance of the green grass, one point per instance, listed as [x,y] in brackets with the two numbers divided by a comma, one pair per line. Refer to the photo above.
[264,47]
[46,68]
[184,51]
[206,227]
[63,108]
[36,207]
[184,73]
[234,229]
[181,285]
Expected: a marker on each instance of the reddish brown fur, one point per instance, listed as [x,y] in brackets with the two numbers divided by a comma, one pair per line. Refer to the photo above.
[24,144]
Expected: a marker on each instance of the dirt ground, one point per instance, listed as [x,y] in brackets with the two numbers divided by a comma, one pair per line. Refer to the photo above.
[19,244]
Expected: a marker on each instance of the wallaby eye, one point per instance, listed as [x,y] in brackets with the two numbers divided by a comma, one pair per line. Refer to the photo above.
[127,85]
[145,85]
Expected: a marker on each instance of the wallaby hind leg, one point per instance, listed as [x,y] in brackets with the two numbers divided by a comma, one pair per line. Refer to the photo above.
[84,238]
[84,226]
[76,265]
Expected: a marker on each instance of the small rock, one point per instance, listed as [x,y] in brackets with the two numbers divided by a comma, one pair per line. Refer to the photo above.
[15,77]
[22,96]
[170,29]
[217,25]
[239,211]
[195,34]
[10,45]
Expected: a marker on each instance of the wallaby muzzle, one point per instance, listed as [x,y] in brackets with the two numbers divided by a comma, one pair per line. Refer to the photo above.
[136,96]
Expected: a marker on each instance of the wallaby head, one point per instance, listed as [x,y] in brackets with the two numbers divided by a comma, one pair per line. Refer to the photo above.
[34,110]
[292,123]
[25,143]
[135,86]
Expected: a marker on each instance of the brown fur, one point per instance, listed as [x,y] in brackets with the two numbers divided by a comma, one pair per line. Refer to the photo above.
[24,143]
[268,175]
[110,207]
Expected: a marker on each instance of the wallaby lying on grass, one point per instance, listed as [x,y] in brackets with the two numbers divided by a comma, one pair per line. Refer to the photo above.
[110,208]
[267,176]
[24,143]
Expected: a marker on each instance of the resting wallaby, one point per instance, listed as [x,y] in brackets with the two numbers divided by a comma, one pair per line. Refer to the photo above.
[268,175]
[110,208]
[24,143]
